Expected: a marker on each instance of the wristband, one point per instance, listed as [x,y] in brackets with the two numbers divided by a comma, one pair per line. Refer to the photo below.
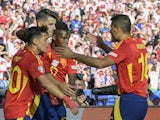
[71,104]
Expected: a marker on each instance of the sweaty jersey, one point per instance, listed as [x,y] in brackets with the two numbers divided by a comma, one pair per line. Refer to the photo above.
[131,59]
[26,67]
[58,67]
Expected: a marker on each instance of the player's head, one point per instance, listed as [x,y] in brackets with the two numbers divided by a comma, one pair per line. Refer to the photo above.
[62,34]
[34,36]
[46,17]
[121,24]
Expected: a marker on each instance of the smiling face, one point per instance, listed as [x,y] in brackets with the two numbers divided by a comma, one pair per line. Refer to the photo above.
[62,38]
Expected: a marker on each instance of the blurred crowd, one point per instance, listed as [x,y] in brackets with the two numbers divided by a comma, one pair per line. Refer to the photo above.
[83,16]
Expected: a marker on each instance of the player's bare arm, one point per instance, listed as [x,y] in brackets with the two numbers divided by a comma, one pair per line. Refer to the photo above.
[64,87]
[52,88]
[66,52]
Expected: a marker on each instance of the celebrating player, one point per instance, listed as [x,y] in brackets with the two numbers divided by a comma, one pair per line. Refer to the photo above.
[131,59]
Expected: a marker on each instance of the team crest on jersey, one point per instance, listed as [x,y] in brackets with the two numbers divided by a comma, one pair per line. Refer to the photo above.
[17,58]
[112,54]
[55,63]
[41,69]
[63,62]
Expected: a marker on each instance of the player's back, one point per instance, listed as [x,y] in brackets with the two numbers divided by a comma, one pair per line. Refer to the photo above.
[19,94]
[132,66]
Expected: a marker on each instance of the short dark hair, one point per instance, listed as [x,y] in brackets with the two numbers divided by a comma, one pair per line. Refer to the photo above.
[27,34]
[79,76]
[61,26]
[44,13]
[122,21]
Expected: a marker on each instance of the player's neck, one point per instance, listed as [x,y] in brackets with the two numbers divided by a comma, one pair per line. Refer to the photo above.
[34,50]
[124,37]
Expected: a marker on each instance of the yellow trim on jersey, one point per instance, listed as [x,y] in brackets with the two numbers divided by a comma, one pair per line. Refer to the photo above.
[35,104]
[39,60]
[118,44]
[28,112]
[118,91]
[21,118]
[140,46]
[49,54]
[63,62]
[129,68]
[17,58]
[117,114]
[25,81]
[64,118]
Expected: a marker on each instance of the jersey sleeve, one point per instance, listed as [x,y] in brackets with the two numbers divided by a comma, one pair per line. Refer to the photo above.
[36,68]
[117,55]
[46,61]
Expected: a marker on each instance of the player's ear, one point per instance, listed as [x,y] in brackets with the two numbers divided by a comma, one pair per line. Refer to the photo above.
[35,41]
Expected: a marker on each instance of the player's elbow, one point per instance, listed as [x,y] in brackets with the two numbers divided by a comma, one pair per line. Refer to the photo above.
[105,62]
[44,81]
[100,64]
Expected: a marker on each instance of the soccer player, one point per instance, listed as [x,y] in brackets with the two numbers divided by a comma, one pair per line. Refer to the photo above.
[59,68]
[28,76]
[46,17]
[131,59]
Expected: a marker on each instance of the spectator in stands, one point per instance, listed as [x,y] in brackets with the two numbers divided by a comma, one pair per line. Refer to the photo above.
[76,24]
[81,98]
[153,99]
[104,28]
[154,73]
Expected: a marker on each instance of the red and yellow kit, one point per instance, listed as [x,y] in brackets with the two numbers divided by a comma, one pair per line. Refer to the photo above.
[26,67]
[132,66]
[59,67]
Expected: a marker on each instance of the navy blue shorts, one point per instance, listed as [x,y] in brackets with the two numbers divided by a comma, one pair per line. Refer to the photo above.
[132,107]
[41,111]
[57,112]
[46,111]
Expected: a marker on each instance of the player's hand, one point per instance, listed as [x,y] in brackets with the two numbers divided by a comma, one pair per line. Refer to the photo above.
[71,104]
[75,111]
[64,52]
[96,40]
[67,90]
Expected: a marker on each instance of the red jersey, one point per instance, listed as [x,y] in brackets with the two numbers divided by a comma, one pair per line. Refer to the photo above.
[59,67]
[26,67]
[131,59]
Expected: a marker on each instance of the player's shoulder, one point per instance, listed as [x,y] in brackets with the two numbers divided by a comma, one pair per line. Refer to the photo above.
[19,56]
